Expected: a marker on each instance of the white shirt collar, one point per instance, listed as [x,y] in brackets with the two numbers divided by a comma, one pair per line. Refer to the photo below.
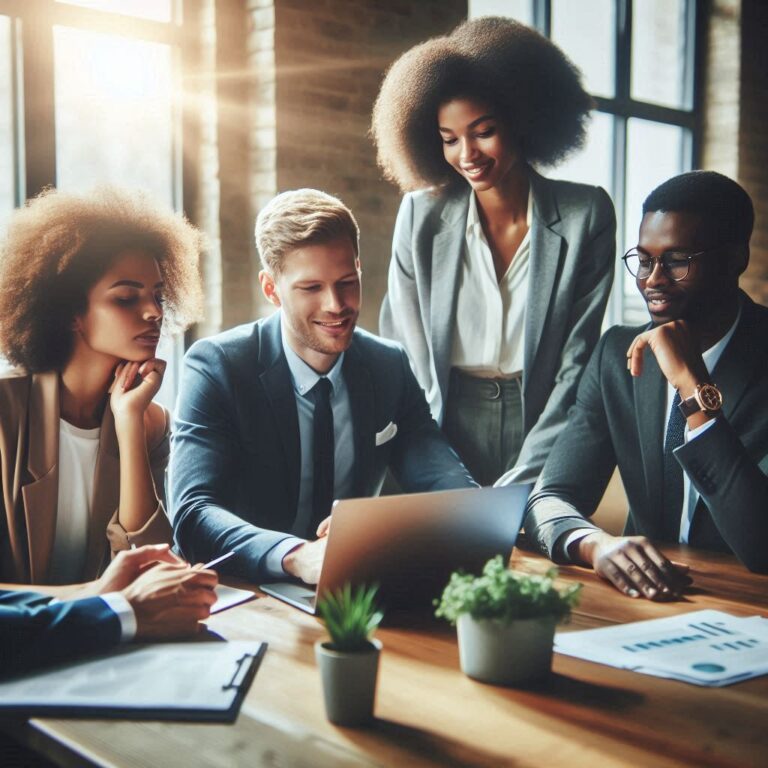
[303,376]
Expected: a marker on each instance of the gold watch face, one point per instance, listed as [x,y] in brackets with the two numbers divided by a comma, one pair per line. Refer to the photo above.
[709,398]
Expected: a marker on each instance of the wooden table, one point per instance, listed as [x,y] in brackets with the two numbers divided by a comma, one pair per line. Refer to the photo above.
[429,714]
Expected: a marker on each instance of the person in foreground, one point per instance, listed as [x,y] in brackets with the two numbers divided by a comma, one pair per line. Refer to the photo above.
[499,276]
[680,406]
[86,284]
[278,418]
[145,594]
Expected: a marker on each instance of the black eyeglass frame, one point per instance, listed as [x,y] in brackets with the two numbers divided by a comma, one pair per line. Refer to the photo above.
[661,260]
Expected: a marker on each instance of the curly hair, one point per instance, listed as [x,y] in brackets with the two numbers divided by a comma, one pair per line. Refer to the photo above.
[532,86]
[58,246]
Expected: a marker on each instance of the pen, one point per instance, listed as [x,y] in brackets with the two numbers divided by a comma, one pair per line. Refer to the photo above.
[218,560]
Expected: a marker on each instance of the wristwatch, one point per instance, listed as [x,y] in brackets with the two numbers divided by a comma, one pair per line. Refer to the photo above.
[706,397]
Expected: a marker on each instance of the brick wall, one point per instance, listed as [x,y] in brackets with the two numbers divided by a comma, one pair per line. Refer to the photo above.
[316,68]
[753,137]
[736,115]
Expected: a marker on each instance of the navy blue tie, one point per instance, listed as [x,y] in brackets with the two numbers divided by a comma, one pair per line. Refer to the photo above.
[322,454]
[673,473]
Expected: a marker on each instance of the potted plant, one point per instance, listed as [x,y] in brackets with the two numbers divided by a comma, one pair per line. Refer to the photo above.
[350,661]
[506,621]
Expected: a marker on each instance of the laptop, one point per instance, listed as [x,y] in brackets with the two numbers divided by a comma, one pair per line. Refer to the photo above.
[410,544]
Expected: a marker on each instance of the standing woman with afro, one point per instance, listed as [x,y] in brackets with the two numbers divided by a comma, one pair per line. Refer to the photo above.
[86,283]
[499,277]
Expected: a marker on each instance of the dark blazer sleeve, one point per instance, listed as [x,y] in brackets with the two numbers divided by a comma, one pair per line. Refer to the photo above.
[594,278]
[578,469]
[34,633]
[734,487]
[205,460]
[422,459]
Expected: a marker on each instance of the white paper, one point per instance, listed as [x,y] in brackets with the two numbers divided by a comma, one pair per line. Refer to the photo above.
[164,676]
[228,597]
[708,647]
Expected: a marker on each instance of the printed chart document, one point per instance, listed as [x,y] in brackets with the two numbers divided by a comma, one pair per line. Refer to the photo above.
[709,648]
[164,681]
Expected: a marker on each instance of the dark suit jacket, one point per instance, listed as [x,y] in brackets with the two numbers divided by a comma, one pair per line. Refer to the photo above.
[236,459]
[573,251]
[34,633]
[620,420]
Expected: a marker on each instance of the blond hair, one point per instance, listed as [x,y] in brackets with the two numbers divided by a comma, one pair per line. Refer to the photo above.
[301,217]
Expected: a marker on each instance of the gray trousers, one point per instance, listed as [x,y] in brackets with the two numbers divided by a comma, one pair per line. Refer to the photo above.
[484,423]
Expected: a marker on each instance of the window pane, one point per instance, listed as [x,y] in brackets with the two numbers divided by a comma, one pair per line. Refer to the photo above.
[592,164]
[655,152]
[585,31]
[658,52]
[158,10]
[114,113]
[7,170]
[521,10]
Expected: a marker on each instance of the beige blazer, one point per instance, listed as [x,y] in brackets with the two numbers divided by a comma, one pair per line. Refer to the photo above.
[29,483]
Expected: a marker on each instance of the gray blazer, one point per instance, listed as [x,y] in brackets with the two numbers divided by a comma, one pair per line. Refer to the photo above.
[573,245]
[620,420]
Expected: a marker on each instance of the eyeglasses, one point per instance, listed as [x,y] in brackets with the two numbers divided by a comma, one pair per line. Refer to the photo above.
[676,264]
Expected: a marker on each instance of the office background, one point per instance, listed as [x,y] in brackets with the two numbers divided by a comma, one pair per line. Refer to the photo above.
[214,106]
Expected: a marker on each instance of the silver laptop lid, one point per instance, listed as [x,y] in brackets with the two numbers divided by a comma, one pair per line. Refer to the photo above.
[410,544]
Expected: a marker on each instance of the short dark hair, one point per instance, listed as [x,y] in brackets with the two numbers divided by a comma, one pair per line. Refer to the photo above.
[533,87]
[722,203]
[59,245]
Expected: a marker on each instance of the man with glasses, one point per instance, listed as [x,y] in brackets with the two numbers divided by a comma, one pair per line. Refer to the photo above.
[681,406]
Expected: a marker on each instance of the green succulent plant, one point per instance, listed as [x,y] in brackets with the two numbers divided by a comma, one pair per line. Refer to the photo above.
[505,595]
[350,616]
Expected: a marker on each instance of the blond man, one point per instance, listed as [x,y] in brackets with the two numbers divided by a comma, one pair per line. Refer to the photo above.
[279,417]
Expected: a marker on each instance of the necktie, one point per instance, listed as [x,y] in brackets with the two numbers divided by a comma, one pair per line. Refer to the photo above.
[673,473]
[322,454]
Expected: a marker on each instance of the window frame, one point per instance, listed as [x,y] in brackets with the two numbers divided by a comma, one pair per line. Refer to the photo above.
[622,107]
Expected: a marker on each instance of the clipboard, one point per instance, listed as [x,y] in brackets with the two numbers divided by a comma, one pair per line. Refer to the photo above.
[203,682]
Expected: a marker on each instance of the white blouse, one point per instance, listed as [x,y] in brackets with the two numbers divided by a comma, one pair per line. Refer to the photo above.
[490,314]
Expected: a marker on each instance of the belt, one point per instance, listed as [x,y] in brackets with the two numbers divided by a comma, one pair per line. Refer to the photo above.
[462,383]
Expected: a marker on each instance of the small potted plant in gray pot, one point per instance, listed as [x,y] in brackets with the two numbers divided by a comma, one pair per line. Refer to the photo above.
[506,621]
[349,663]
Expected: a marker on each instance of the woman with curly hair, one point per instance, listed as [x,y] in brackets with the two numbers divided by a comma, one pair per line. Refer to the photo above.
[499,277]
[86,282]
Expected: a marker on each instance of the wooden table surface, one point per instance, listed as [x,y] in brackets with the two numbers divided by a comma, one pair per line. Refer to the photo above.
[429,714]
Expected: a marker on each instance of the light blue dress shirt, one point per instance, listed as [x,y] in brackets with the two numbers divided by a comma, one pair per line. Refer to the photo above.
[304,378]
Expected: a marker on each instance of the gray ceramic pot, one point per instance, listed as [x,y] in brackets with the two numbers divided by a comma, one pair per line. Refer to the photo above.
[349,683]
[512,654]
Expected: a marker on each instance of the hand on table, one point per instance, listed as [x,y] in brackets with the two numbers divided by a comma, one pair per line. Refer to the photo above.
[170,599]
[633,565]
[306,560]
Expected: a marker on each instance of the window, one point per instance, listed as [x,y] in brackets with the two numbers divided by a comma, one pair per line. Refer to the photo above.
[93,87]
[638,61]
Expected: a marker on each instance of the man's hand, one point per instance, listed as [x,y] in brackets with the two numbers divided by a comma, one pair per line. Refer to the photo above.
[633,565]
[306,560]
[125,568]
[677,351]
[170,599]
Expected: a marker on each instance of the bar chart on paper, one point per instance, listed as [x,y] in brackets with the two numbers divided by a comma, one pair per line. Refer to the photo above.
[709,648]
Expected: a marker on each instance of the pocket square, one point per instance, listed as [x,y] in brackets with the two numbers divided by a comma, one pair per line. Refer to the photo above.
[386,434]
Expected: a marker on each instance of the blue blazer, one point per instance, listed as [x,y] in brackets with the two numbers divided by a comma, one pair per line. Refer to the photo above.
[236,460]
[34,633]
[573,252]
